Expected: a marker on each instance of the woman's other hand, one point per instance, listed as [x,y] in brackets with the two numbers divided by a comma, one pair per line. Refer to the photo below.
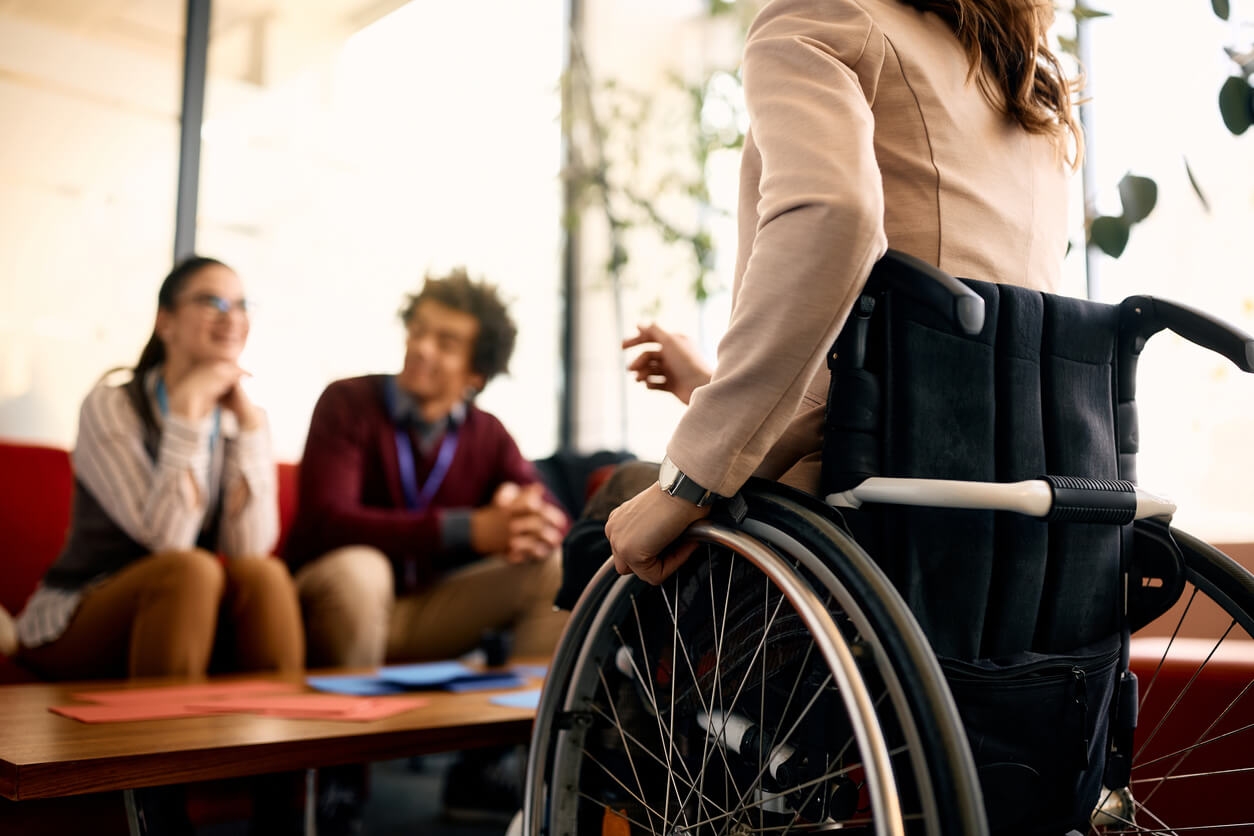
[674,366]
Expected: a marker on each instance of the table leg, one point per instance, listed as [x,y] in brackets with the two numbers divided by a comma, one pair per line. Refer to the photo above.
[132,813]
[311,802]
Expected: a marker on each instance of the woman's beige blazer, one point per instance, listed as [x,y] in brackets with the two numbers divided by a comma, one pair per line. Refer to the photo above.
[867,131]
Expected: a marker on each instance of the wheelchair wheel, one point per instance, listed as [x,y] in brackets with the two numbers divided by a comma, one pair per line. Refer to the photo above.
[1193,759]
[754,691]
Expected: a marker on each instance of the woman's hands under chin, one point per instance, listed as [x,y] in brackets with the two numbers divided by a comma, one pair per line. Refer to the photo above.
[210,384]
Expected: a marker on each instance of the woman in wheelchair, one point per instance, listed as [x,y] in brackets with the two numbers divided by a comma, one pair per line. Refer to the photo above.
[954,656]
[946,135]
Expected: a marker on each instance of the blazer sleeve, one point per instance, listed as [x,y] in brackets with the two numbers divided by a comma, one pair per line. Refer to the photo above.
[808,67]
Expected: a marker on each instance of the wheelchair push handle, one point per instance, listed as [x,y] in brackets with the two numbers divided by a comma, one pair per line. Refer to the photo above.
[1144,316]
[1050,498]
[932,287]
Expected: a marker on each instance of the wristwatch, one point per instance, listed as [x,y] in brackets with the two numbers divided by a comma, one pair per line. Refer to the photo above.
[676,483]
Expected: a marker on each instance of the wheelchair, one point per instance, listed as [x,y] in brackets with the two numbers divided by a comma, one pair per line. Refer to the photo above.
[949,644]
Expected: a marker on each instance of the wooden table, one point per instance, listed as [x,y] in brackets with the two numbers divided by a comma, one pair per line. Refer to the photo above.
[45,755]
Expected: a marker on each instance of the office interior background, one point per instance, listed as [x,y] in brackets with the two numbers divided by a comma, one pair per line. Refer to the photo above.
[348,147]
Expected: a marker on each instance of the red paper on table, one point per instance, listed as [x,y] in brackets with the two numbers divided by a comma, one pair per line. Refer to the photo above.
[199,692]
[125,712]
[313,706]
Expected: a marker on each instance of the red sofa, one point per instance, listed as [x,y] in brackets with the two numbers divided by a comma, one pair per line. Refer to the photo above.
[35,487]
[36,483]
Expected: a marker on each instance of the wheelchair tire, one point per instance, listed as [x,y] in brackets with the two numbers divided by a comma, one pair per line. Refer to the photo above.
[1193,758]
[759,689]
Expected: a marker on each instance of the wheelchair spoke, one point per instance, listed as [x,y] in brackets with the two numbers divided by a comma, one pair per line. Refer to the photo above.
[652,755]
[638,797]
[1167,651]
[639,676]
[767,798]
[1185,689]
[670,773]
[728,713]
[1203,738]
[598,802]
[1161,827]
[697,785]
[818,692]
[646,680]
[1181,753]
[1184,776]
[766,603]
[759,649]
[667,743]
[801,670]
[720,636]
[622,734]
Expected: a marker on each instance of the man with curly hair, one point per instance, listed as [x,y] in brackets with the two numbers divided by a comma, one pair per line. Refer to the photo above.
[420,525]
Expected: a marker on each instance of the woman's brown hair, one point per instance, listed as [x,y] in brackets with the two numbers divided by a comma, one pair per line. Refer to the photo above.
[1007,40]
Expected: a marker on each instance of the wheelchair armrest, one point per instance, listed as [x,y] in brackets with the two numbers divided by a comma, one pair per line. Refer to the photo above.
[932,287]
[1144,316]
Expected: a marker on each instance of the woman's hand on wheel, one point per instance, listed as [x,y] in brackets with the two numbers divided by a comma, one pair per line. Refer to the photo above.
[642,532]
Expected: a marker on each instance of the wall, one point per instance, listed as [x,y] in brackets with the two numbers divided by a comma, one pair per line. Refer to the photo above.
[342,159]
[87,178]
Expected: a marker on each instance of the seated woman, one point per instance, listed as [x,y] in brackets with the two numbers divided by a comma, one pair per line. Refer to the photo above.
[171,468]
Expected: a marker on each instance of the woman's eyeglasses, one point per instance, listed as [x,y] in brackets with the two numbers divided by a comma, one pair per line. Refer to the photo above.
[212,302]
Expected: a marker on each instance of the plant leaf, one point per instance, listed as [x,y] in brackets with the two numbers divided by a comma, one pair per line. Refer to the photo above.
[1221,8]
[1110,235]
[1139,195]
[1235,98]
[1197,188]
[1083,12]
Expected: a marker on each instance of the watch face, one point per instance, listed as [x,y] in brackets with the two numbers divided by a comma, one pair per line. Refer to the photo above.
[667,474]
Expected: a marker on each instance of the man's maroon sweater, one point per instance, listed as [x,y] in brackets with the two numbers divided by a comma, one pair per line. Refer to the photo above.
[350,483]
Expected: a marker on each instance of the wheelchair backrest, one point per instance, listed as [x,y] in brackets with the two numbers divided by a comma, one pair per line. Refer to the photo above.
[1035,391]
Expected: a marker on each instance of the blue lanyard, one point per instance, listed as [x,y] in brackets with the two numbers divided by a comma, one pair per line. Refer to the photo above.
[163,403]
[414,500]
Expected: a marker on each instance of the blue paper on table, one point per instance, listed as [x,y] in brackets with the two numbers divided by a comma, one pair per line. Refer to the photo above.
[518,699]
[394,679]
[483,682]
[537,671]
[451,676]
[358,686]
[427,674]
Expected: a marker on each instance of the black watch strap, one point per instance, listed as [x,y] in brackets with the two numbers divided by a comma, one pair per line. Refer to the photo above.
[675,482]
